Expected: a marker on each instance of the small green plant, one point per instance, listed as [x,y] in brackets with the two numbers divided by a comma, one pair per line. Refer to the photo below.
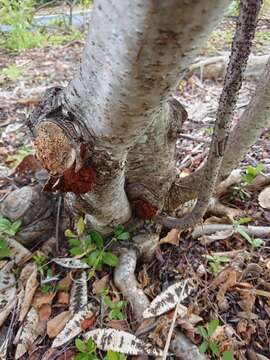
[227,355]
[46,275]
[12,72]
[18,15]
[238,191]
[113,355]
[251,172]
[206,333]
[115,307]
[215,262]
[89,247]
[120,233]
[15,159]
[87,350]
[7,228]
[255,243]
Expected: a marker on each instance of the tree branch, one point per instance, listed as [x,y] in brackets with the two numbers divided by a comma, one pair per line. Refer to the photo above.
[241,48]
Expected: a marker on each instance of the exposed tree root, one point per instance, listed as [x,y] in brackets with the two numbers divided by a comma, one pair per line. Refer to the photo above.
[125,280]
[208,229]
[217,208]
[185,349]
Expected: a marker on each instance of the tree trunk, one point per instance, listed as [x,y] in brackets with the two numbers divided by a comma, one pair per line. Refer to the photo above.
[119,104]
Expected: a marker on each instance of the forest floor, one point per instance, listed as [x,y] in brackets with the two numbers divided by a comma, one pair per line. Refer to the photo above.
[230,269]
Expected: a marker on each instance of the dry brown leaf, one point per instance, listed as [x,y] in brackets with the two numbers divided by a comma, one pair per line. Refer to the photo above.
[172,237]
[41,299]
[225,280]
[248,298]
[30,289]
[118,325]
[68,355]
[65,283]
[100,284]
[88,322]
[57,324]
[44,312]
[63,297]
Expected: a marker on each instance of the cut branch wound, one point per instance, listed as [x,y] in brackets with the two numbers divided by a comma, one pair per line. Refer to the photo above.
[240,51]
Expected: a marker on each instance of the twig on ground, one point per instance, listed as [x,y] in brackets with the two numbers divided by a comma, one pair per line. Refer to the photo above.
[208,229]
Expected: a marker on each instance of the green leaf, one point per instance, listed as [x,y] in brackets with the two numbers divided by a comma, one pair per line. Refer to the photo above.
[4,224]
[92,258]
[82,356]
[223,259]
[214,267]
[250,170]
[80,345]
[257,242]
[116,315]
[212,326]
[16,225]
[76,251]
[97,238]
[214,347]
[244,235]
[91,346]
[112,355]
[107,301]
[110,259]
[227,355]
[244,220]
[74,242]
[120,304]
[203,347]
[260,168]
[80,226]
[88,241]
[201,330]
[4,250]
[124,236]
[119,229]
[69,233]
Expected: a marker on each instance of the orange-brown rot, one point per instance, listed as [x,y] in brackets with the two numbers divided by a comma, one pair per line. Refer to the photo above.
[144,210]
[53,148]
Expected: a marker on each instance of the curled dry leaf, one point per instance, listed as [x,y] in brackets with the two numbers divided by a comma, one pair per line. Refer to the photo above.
[225,280]
[28,333]
[121,341]
[172,237]
[56,324]
[168,299]
[30,288]
[248,298]
[42,299]
[73,326]
[71,263]
[78,294]
[100,284]
[264,198]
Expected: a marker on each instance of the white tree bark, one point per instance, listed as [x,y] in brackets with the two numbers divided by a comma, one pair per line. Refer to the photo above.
[136,52]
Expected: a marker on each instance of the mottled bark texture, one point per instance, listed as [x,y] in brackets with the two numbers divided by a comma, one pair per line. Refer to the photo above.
[255,118]
[119,103]
[241,47]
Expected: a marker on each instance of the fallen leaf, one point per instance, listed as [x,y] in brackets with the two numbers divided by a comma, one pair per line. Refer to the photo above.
[68,355]
[7,303]
[44,312]
[118,324]
[18,252]
[88,322]
[218,235]
[78,294]
[63,297]
[71,263]
[225,280]
[30,289]
[121,341]
[57,324]
[73,326]
[168,299]
[7,278]
[27,333]
[100,284]
[172,237]
[41,299]
[65,283]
